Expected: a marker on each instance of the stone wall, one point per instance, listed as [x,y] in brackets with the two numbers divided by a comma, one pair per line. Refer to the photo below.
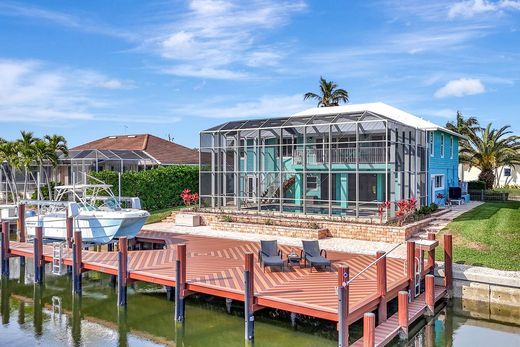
[335,228]
[301,233]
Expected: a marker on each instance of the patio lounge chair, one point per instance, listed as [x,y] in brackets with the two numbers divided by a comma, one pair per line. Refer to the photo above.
[270,255]
[311,253]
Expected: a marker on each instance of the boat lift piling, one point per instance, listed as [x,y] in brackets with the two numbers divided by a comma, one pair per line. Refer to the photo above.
[4,238]
[448,264]
[76,263]
[343,278]
[249,297]
[122,273]
[20,226]
[39,263]
[431,254]
[180,282]
[381,286]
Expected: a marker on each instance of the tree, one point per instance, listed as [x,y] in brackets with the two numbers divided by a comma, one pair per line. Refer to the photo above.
[26,154]
[331,95]
[488,149]
[463,126]
[55,144]
[9,159]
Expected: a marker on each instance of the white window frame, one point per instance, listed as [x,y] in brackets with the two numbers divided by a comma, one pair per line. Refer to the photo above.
[442,145]
[315,183]
[452,145]
[435,187]
[506,169]
[431,141]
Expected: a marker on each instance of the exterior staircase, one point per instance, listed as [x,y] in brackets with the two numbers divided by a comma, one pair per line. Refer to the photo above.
[267,198]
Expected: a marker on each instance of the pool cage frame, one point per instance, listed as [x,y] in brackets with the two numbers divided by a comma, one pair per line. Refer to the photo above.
[236,154]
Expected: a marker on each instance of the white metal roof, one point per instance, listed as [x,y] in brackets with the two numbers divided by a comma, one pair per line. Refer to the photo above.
[378,108]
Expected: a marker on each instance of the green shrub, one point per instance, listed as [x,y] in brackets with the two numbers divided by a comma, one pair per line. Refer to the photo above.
[476,185]
[269,222]
[314,225]
[226,218]
[157,188]
[44,191]
[433,207]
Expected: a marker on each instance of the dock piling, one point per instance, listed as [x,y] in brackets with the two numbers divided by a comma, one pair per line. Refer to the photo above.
[343,277]
[369,329]
[448,265]
[431,254]
[430,295]
[402,314]
[180,282]
[4,241]
[20,227]
[39,264]
[249,296]
[122,274]
[381,286]
[76,263]
[70,228]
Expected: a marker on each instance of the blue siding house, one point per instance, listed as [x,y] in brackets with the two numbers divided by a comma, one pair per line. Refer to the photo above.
[443,162]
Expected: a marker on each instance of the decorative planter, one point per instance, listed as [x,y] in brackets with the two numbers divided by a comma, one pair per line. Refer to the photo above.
[187,220]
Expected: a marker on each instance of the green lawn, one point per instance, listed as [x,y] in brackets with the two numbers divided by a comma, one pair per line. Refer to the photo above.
[488,235]
[159,215]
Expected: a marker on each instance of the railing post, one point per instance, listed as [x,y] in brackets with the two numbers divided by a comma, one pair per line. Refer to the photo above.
[429,294]
[77,262]
[448,264]
[410,259]
[249,296]
[381,286]
[180,282]
[343,277]
[369,330]
[431,255]
[402,313]
[122,273]
[38,255]
[5,249]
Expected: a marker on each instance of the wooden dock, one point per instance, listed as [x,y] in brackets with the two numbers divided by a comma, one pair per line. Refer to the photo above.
[217,266]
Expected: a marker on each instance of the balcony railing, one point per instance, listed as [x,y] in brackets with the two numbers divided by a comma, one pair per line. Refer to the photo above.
[367,155]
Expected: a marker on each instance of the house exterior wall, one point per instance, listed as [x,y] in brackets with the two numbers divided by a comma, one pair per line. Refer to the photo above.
[441,164]
[471,174]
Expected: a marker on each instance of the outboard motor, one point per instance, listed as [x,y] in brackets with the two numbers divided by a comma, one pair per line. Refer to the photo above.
[136,203]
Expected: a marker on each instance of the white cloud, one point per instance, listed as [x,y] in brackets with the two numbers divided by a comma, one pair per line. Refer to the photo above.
[215,39]
[461,87]
[265,106]
[31,91]
[471,8]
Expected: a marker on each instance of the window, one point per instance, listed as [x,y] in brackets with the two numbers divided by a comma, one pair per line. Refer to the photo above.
[312,182]
[438,181]
[452,144]
[242,149]
[442,145]
[507,172]
[287,147]
[431,144]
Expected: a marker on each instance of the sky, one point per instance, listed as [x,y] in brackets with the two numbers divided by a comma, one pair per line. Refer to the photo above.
[88,69]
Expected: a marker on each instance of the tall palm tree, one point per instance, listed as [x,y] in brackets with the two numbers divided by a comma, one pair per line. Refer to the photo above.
[26,152]
[462,126]
[488,149]
[56,144]
[9,160]
[331,95]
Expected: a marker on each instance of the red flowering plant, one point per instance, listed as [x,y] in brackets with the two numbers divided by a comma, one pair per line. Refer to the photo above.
[382,207]
[405,208]
[189,198]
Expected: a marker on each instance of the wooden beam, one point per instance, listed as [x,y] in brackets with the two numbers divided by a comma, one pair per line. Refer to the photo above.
[369,330]
[381,286]
[402,313]
[429,294]
[448,264]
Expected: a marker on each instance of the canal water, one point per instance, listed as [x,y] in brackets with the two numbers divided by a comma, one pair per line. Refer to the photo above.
[49,315]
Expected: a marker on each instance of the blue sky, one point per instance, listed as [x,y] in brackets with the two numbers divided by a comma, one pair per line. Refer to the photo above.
[87,69]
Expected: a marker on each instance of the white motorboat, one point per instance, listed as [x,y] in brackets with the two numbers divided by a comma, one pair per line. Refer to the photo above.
[96,212]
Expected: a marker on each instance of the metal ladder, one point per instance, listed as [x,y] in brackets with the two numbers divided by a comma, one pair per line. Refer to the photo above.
[56,307]
[417,276]
[57,251]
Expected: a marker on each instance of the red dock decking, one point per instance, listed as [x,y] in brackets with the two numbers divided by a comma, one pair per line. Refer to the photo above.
[215,266]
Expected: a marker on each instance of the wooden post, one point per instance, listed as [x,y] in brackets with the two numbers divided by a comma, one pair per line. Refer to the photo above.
[122,275]
[381,286]
[410,261]
[343,277]
[38,255]
[77,263]
[70,230]
[402,312]
[5,249]
[249,296]
[430,294]
[180,282]
[431,255]
[369,330]
[21,223]
[448,264]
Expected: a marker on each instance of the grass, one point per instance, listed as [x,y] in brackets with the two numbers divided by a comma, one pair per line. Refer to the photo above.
[488,235]
[160,215]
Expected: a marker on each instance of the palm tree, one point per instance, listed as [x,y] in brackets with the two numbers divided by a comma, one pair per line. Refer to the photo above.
[9,160]
[463,126]
[331,95]
[26,152]
[488,149]
[55,144]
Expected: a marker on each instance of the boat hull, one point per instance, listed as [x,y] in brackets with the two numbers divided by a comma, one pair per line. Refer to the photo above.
[96,227]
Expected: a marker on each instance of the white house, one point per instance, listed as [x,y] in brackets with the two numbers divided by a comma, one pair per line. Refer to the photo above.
[505,175]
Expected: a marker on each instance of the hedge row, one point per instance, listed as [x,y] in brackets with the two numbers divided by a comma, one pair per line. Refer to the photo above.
[157,188]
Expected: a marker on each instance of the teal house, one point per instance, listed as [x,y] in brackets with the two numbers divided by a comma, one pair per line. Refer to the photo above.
[337,161]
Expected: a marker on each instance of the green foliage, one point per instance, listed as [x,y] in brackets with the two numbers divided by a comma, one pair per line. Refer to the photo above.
[226,218]
[476,185]
[314,226]
[158,188]
[44,191]
[160,215]
[269,222]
